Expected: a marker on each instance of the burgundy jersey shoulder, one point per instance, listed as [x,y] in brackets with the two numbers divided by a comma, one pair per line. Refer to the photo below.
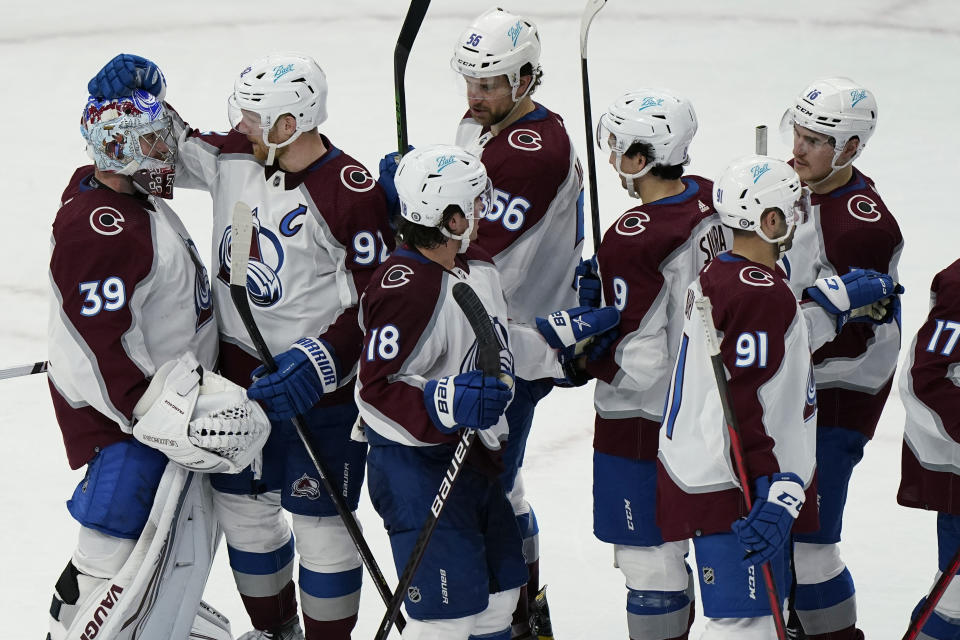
[476,253]
[535,146]
[406,284]
[748,291]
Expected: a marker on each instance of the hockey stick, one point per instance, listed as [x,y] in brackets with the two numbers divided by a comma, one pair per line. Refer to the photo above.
[488,357]
[24,370]
[241,238]
[939,588]
[408,33]
[705,310]
[589,13]
[760,137]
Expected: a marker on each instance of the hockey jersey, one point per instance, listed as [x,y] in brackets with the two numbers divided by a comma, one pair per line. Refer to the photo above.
[414,332]
[647,259]
[535,229]
[765,348]
[320,234]
[849,227]
[930,389]
[129,293]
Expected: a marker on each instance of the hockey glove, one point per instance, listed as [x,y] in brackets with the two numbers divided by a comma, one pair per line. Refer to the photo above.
[470,400]
[304,372]
[573,331]
[388,170]
[586,280]
[852,295]
[766,529]
[123,74]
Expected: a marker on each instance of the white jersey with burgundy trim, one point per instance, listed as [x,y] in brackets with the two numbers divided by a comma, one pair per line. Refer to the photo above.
[129,293]
[535,230]
[318,236]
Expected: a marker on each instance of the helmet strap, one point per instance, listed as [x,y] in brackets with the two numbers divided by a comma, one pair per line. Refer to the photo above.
[631,177]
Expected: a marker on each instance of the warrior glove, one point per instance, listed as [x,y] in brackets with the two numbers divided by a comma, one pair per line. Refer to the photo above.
[304,373]
[766,529]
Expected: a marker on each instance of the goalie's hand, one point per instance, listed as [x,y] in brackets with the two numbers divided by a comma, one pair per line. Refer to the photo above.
[124,74]
[304,373]
[199,419]
[853,296]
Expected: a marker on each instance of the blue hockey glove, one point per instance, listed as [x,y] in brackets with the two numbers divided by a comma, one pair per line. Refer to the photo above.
[470,400]
[586,280]
[854,296]
[123,74]
[766,529]
[304,372]
[572,332]
[388,170]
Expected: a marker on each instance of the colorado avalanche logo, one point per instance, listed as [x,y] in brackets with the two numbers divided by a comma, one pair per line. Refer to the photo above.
[810,406]
[756,277]
[266,261]
[106,221]
[147,103]
[471,361]
[632,223]
[305,487]
[356,178]
[202,299]
[396,276]
[525,140]
[863,208]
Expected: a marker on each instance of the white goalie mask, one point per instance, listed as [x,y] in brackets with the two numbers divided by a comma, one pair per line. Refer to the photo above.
[658,117]
[498,43]
[754,184]
[277,85]
[835,107]
[432,178]
[132,136]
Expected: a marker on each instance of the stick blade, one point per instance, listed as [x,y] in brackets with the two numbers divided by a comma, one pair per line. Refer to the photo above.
[488,347]
[590,11]
[241,237]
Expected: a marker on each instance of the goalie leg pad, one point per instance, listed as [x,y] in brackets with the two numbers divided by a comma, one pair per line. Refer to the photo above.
[117,491]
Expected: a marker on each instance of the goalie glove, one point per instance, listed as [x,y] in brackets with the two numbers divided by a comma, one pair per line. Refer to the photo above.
[573,332]
[200,420]
[862,295]
[766,529]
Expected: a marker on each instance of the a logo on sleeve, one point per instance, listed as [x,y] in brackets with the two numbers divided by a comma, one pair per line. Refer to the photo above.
[631,224]
[106,221]
[396,276]
[525,140]
[756,277]
[863,208]
[356,178]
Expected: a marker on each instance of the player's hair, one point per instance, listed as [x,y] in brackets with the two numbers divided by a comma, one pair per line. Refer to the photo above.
[527,70]
[422,237]
[662,171]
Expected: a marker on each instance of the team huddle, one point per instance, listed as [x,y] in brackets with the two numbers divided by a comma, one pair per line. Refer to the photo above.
[742,335]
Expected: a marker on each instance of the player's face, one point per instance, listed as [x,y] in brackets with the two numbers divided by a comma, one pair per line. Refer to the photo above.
[812,154]
[250,126]
[489,99]
[628,164]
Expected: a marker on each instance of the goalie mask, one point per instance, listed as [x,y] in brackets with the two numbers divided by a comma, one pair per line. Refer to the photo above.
[430,179]
[753,185]
[656,117]
[835,107]
[132,136]
[277,85]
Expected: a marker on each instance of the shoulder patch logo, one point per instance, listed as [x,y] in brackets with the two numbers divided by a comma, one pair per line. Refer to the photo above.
[525,140]
[632,223]
[756,277]
[106,221]
[703,208]
[356,178]
[863,208]
[396,276]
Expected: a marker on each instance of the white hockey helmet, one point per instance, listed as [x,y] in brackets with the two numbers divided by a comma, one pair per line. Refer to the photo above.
[498,43]
[658,117]
[836,107]
[430,179]
[754,184]
[280,84]
[132,136]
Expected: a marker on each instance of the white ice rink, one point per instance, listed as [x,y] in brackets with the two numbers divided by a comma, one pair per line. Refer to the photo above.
[741,62]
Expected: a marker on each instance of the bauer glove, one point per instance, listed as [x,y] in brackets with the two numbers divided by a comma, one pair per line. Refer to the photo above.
[766,529]
[856,296]
[126,72]
[470,400]
[573,332]
[304,373]
[586,280]
[388,170]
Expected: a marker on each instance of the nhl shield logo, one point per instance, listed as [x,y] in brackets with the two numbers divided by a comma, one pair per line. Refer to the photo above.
[708,576]
[305,487]
[414,594]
